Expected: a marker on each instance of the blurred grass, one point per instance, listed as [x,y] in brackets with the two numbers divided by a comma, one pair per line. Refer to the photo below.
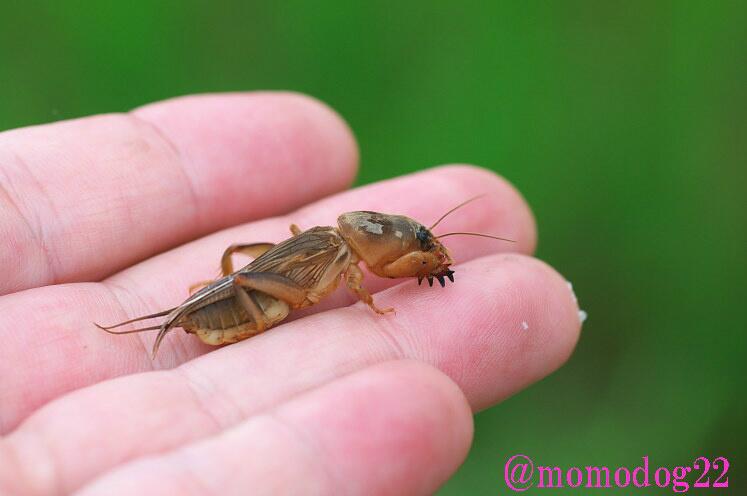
[623,124]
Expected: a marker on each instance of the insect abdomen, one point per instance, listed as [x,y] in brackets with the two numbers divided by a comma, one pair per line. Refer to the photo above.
[226,321]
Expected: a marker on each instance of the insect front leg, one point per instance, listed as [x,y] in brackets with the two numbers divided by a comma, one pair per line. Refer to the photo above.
[353,279]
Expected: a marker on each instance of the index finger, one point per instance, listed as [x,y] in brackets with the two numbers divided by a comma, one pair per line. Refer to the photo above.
[82,199]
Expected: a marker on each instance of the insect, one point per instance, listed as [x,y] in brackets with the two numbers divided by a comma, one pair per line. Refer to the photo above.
[302,270]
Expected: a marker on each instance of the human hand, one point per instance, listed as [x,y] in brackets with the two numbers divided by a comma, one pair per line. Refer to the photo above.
[339,401]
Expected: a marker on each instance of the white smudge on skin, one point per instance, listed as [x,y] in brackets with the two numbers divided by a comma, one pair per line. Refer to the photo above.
[581,314]
[570,286]
[524,325]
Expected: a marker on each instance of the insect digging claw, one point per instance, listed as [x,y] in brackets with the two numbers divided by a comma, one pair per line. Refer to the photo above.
[420,280]
[430,281]
[441,281]
[450,275]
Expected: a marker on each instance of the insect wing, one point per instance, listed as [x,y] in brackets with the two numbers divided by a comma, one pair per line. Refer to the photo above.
[307,259]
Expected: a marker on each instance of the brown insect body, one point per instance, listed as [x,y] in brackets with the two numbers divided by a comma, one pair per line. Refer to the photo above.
[302,270]
[394,246]
[313,259]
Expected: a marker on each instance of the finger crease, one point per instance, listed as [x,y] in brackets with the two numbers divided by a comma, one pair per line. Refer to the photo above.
[180,159]
[33,223]
[208,398]
[314,450]
[36,474]
[386,329]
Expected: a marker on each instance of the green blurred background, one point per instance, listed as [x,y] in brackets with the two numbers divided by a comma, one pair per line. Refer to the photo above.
[623,123]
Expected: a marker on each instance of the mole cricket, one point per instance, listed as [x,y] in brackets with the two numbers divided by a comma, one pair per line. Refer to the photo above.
[303,269]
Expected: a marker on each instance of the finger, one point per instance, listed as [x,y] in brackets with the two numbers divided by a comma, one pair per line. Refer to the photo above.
[50,346]
[84,198]
[509,321]
[396,428]
[423,196]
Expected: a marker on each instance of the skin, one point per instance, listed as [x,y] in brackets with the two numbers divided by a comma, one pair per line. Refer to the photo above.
[106,218]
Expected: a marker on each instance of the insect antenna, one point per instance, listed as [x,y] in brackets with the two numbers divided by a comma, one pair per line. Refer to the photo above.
[456,208]
[476,234]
